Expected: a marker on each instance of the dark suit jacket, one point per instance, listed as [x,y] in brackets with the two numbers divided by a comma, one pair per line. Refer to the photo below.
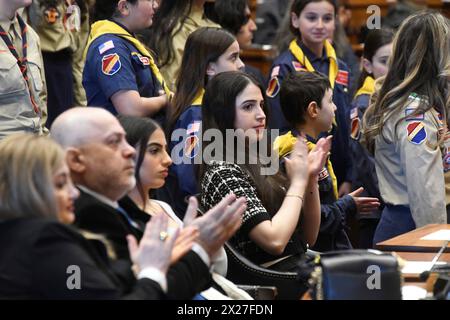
[186,278]
[35,254]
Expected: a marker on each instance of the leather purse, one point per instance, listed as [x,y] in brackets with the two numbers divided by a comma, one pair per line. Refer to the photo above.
[355,275]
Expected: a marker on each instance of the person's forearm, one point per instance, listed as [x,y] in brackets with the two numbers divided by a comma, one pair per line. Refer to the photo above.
[311,212]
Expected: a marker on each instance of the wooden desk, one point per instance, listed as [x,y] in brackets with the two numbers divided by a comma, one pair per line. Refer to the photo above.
[411,242]
[419,256]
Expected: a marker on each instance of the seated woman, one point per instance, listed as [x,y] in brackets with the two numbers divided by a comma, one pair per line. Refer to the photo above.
[283,213]
[208,52]
[41,258]
[152,164]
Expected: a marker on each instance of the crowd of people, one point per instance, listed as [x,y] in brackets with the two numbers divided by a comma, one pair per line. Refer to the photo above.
[115,119]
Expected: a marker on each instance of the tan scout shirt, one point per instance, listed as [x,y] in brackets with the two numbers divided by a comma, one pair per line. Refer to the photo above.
[16,110]
[59,31]
[409,164]
[194,21]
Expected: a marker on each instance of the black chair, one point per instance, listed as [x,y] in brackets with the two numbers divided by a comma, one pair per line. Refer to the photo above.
[243,271]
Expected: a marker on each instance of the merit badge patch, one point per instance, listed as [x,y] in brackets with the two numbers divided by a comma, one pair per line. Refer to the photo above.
[105,46]
[273,87]
[298,66]
[342,78]
[410,117]
[111,64]
[416,132]
[191,146]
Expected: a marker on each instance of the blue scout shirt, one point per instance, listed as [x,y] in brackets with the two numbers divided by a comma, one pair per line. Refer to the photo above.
[182,181]
[287,63]
[114,64]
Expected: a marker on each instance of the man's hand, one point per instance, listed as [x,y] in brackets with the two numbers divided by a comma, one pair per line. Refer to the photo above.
[219,223]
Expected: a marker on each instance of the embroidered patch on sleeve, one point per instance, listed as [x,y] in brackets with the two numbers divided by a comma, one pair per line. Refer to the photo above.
[275,72]
[143,59]
[355,128]
[111,64]
[193,128]
[273,87]
[416,132]
[323,174]
[354,113]
[108,45]
[446,161]
[342,78]
[191,146]
[410,117]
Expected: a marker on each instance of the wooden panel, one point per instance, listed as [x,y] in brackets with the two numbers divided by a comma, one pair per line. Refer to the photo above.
[259,57]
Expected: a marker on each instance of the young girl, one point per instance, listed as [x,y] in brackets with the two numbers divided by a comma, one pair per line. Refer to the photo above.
[313,22]
[275,230]
[120,74]
[174,22]
[377,50]
[152,166]
[406,127]
[208,51]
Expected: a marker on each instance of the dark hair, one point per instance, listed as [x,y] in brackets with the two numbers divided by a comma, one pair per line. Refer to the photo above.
[231,14]
[298,6]
[203,46]
[374,40]
[298,90]
[419,64]
[219,112]
[138,132]
[106,9]
[170,14]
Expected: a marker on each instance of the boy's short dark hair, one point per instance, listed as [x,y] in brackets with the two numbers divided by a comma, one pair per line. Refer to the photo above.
[298,90]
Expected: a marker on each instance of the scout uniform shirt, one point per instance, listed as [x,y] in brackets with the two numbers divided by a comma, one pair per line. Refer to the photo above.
[22,95]
[333,211]
[409,163]
[364,174]
[62,25]
[196,19]
[300,58]
[184,147]
[116,61]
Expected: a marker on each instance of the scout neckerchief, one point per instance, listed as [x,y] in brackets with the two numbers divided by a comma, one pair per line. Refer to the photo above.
[368,87]
[199,98]
[331,54]
[284,145]
[102,27]
[22,62]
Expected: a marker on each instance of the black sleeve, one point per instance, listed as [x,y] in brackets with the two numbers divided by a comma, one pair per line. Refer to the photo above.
[332,216]
[187,277]
[61,257]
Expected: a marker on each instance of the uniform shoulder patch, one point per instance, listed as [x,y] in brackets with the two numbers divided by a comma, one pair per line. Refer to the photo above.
[111,64]
[143,59]
[108,45]
[410,117]
[416,132]
[191,146]
[275,72]
[342,78]
[355,133]
[273,88]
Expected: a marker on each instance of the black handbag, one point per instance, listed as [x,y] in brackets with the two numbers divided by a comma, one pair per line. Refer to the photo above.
[355,275]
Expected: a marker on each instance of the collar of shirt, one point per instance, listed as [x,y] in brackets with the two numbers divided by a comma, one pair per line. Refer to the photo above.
[311,56]
[101,198]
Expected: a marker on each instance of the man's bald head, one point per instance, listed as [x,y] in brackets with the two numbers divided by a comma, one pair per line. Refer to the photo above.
[78,126]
